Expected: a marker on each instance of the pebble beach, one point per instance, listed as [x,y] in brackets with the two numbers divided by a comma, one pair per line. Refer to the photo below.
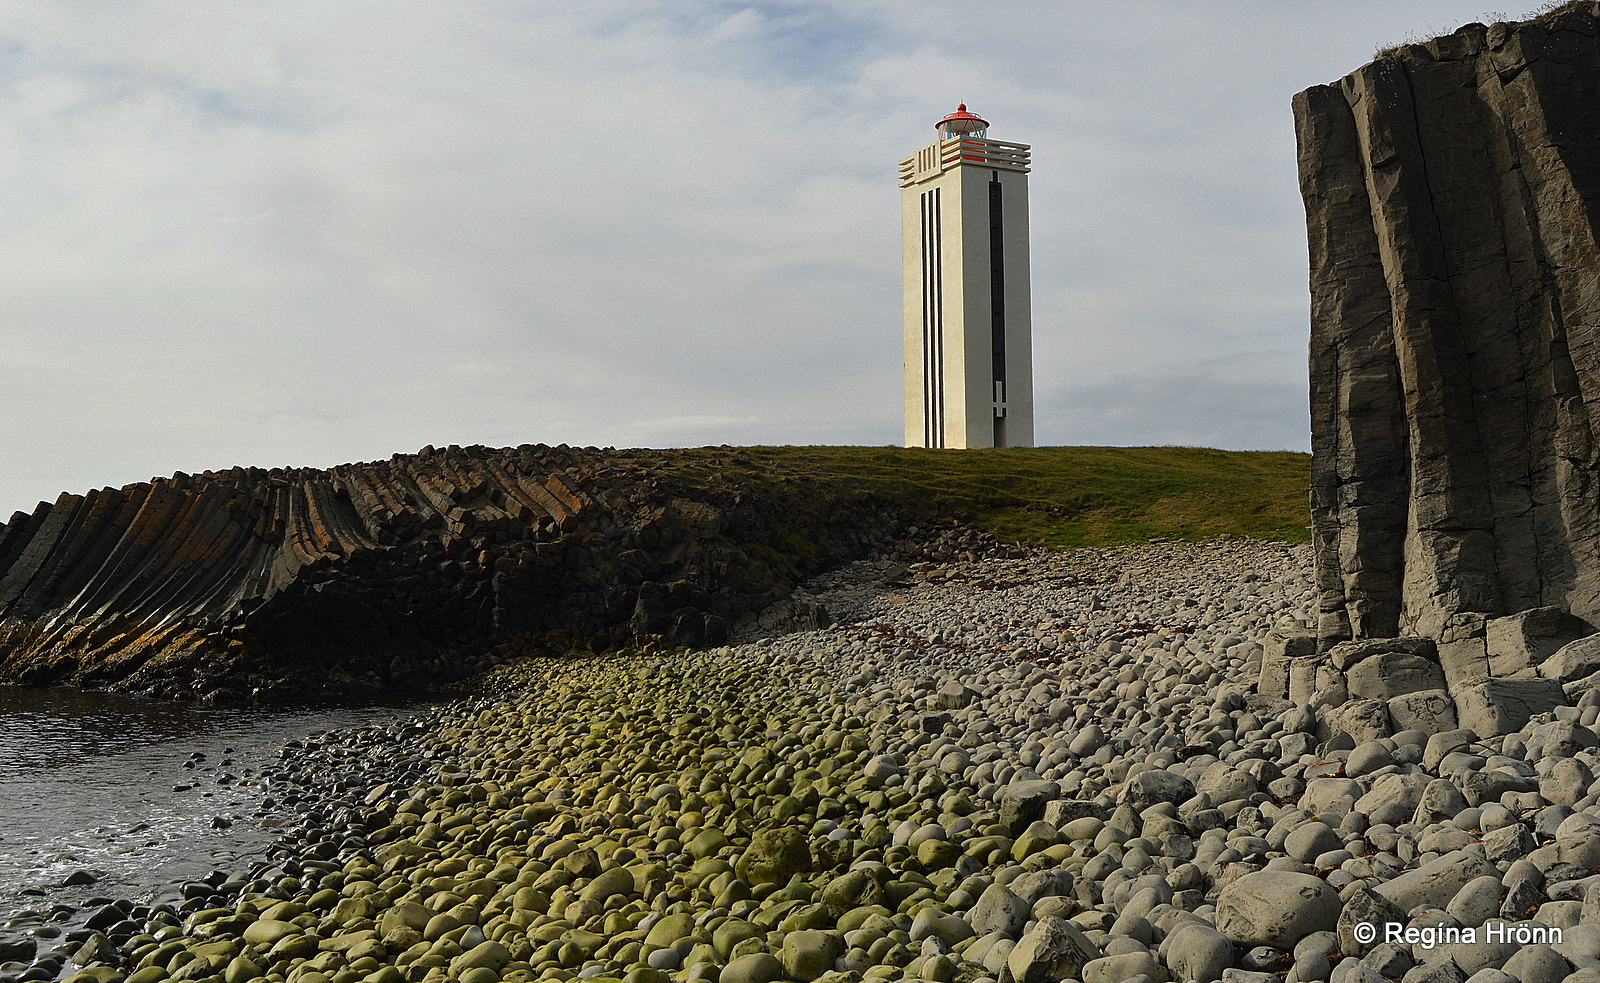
[998,765]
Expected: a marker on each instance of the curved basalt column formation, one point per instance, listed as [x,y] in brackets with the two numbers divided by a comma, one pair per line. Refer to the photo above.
[407,572]
[1451,193]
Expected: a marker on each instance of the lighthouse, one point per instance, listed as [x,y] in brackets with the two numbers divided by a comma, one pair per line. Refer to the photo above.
[968,326]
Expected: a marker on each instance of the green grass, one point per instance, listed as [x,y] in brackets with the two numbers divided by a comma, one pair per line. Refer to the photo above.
[1555,8]
[1546,11]
[1061,497]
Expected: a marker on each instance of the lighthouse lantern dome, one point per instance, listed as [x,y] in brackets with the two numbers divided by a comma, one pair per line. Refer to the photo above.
[962,124]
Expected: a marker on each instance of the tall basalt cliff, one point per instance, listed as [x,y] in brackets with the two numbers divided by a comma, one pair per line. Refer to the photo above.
[401,573]
[1451,193]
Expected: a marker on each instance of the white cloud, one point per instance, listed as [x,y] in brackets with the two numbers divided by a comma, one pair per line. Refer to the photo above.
[306,233]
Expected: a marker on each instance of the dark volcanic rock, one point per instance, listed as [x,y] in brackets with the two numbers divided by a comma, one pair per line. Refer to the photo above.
[408,572]
[1451,192]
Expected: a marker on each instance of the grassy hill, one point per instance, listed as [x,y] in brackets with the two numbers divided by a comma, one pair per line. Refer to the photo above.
[1061,497]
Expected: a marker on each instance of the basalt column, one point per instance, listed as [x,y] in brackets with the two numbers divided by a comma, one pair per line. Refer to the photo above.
[406,573]
[1451,191]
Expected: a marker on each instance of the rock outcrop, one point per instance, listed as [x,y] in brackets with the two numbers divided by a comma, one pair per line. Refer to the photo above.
[401,573]
[1451,192]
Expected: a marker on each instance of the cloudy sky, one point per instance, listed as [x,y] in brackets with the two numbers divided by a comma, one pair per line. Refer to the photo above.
[278,232]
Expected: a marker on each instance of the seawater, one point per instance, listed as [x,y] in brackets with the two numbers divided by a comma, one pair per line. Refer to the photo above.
[138,791]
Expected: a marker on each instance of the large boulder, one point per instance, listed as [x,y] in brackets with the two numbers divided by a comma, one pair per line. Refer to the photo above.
[1023,803]
[1575,660]
[1499,706]
[1364,906]
[1126,966]
[809,953]
[1152,787]
[1431,711]
[1435,882]
[1526,639]
[1346,655]
[1446,742]
[1223,782]
[1054,949]
[1363,720]
[1391,674]
[1277,908]
[998,910]
[1196,951]
[774,856]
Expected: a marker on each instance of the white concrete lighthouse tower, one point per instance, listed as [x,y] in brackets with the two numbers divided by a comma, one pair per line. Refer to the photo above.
[968,327]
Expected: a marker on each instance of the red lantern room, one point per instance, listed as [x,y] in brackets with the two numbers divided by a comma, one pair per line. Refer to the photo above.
[962,124]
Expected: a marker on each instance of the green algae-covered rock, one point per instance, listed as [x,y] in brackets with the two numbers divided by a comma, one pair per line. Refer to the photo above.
[731,932]
[707,843]
[874,918]
[296,946]
[606,885]
[760,967]
[774,856]
[241,969]
[407,914]
[267,931]
[486,955]
[812,915]
[670,929]
[852,889]
[937,854]
[809,953]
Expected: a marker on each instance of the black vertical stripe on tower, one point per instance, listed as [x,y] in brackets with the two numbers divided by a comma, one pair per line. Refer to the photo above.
[927,320]
[997,305]
[997,283]
[938,314]
[932,320]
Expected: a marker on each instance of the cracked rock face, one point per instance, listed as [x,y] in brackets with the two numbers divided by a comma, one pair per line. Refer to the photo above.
[404,574]
[1451,192]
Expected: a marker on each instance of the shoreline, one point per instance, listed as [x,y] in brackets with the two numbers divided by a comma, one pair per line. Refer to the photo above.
[1038,768]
